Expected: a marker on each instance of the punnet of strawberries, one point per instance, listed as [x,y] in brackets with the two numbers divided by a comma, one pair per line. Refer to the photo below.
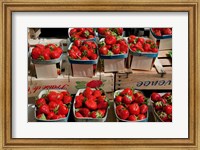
[110,31]
[131,105]
[91,103]
[162,104]
[46,52]
[112,45]
[83,50]
[139,44]
[53,106]
[162,31]
[81,33]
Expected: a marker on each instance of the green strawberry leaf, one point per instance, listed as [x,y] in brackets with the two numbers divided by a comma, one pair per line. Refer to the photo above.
[110,53]
[42,117]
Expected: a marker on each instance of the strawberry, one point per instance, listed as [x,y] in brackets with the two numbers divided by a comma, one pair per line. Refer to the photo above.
[132,118]
[124,114]
[140,99]
[110,39]
[163,116]
[91,104]
[85,112]
[40,102]
[97,93]
[67,99]
[78,115]
[36,52]
[158,105]
[95,114]
[88,91]
[79,101]
[41,117]
[102,105]
[127,99]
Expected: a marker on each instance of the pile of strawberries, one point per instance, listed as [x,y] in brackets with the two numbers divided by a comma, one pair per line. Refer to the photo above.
[83,50]
[110,31]
[139,44]
[81,33]
[162,31]
[112,46]
[91,104]
[131,105]
[50,51]
[53,106]
[163,106]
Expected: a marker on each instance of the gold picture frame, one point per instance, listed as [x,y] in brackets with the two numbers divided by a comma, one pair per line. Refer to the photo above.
[9,6]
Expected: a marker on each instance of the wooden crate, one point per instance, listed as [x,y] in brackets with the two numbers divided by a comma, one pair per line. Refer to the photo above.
[160,77]
[72,84]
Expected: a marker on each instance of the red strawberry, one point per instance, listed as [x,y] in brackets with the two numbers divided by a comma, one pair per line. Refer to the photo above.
[127,99]
[140,99]
[97,93]
[110,39]
[102,112]
[41,117]
[67,99]
[134,109]
[36,52]
[91,104]
[102,105]
[147,47]
[158,105]
[119,108]
[155,96]
[118,99]
[78,115]
[53,105]
[63,110]
[168,109]
[132,118]
[95,114]
[85,112]
[116,48]
[124,114]
[50,115]
[88,91]
[40,101]
[163,116]
[79,101]
[143,108]
[44,109]
[141,117]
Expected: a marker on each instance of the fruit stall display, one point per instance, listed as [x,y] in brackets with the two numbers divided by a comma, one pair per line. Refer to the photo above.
[53,105]
[90,105]
[83,57]
[162,37]
[113,52]
[130,105]
[45,58]
[143,52]
[123,60]
[162,106]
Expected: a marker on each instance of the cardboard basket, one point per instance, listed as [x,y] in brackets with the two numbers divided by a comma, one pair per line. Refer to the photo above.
[165,41]
[55,120]
[47,68]
[82,68]
[156,116]
[89,119]
[121,120]
[114,63]
[142,61]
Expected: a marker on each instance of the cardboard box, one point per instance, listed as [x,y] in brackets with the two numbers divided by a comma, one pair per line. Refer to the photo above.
[165,42]
[72,84]
[114,65]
